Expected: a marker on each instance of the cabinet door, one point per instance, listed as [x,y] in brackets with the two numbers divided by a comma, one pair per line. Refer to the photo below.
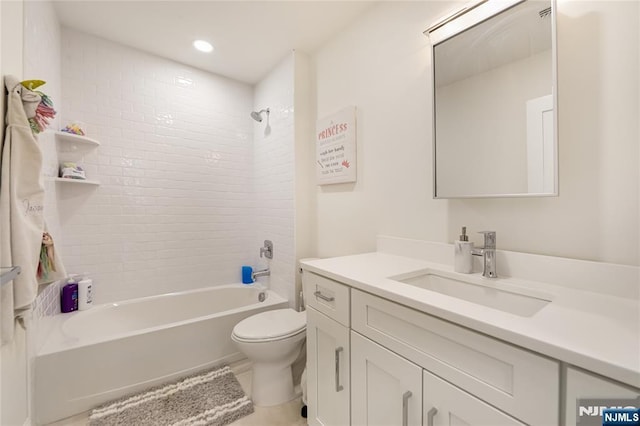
[386,388]
[447,405]
[327,371]
[583,387]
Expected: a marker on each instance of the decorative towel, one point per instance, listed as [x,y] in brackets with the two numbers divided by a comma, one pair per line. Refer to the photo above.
[21,206]
[50,267]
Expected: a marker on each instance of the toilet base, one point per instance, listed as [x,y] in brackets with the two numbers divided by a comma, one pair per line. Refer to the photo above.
[271,384]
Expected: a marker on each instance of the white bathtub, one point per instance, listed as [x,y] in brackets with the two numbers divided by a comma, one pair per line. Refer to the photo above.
[111,350]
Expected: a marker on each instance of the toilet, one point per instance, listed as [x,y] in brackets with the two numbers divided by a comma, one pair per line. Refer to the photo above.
[272,340]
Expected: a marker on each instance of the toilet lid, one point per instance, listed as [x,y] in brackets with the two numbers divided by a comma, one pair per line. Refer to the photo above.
[271,325]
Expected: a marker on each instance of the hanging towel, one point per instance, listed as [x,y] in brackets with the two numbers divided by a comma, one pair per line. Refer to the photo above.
[50,267]
[21,206]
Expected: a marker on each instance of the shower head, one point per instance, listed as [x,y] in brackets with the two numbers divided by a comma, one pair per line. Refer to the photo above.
[257,115]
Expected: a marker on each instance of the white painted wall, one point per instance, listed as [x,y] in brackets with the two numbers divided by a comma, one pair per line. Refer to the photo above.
[274,175]
[174,209]
[14,401]
[381,65]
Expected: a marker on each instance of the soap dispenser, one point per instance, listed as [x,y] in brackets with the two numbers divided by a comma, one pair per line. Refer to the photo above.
[463,259]
[69,296]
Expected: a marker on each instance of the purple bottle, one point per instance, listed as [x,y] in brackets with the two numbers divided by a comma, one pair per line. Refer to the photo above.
[69,296]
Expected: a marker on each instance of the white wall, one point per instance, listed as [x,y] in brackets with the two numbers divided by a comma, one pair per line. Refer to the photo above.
[305,186]
[42,52]
[284,189]
[42,62]
[14,401]
[2,111]
[174,208]
[274,175]
[11,46]
[381,65]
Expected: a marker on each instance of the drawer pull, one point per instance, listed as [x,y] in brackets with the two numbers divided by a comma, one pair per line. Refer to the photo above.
[339,387]
[430,415]
[319,295]
[405,407]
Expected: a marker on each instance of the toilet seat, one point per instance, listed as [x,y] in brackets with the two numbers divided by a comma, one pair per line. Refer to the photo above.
[272,325]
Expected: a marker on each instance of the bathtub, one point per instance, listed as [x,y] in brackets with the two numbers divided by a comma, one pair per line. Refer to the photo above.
[91,357]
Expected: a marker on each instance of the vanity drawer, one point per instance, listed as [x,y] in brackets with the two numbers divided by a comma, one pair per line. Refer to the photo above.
[327,296]
[519,382]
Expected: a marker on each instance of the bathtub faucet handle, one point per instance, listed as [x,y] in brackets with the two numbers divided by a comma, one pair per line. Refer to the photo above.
[267,250]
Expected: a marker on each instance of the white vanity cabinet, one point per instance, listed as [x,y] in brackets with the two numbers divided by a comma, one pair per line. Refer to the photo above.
[328,351]
[372,361]
[386,389]
[583,385]
[520,383]
[447,405]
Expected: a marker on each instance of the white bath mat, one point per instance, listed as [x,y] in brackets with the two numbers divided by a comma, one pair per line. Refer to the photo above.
[211,398]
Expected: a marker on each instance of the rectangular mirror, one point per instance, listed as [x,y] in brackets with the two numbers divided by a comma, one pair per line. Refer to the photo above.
[494,85]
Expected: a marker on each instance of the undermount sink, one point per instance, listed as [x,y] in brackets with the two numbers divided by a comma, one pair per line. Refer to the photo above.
[481,291]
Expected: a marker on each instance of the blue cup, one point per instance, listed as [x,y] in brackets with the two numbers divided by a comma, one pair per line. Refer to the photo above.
[246,275]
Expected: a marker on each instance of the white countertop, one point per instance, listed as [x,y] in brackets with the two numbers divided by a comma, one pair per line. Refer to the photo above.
[595,331]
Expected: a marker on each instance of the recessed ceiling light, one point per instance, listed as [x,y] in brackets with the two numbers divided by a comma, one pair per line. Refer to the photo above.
[203,46]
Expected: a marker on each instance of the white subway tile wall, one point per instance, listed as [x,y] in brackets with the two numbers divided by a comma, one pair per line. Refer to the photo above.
[42,61]
[175,207]
[274,173]
[48,301]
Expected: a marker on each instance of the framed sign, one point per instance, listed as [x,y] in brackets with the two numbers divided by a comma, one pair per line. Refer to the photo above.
[336,147]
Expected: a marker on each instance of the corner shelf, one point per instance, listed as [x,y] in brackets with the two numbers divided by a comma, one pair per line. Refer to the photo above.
[76,139]
[76,146]
[75,181]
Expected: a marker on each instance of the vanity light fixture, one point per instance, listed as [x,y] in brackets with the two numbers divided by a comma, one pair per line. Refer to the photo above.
[203,46]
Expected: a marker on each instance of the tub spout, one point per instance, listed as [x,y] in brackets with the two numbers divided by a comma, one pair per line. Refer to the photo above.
[262,273]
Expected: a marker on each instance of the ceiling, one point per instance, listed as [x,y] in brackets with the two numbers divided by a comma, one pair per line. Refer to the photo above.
[249,37]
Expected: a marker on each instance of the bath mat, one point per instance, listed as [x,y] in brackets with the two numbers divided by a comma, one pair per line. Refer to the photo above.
[211,398]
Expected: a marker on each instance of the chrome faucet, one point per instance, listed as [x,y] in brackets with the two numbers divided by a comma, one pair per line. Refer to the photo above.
[488,253]
[262,273]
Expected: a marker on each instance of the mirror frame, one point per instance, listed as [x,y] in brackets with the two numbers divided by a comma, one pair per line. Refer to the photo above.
[461,20]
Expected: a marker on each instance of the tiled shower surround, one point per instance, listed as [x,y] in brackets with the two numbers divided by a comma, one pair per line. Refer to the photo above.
[175,209]
[274,175]
[48,301]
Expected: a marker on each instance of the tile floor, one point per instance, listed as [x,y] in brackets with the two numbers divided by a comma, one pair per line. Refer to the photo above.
[287,414]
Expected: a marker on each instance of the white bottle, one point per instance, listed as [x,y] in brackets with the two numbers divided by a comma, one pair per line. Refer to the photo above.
[463,259]
[85,293]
